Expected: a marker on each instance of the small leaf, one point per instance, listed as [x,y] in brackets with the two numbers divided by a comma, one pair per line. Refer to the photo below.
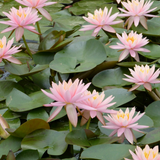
[107,152]
[28,127]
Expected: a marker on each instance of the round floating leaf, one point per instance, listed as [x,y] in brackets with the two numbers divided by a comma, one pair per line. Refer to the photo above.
[42,140]
[110,77]
[19,102]
[151,137]
[38,113]
[28,127]
[23,69]
[153,28]
[11,143]
[28,155]
[121,96]
[153,111]
[79,56]
[6,87]
[107,152]
[77,137]
[14,123]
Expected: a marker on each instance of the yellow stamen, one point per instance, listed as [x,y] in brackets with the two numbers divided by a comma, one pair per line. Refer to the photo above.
[1,44]
[96,17]
[21,13]
[122,115]
[142,70]
[131,39]
[150,152]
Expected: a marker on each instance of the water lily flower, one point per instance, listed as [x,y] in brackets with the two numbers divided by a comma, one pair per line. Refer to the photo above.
[143,75]
[3,125]
[38,4]
[137,11]
[101,20]
[131,43]
[146,154]
[20,19]
[6,51]
[70,96]
[123,124]
[99,104]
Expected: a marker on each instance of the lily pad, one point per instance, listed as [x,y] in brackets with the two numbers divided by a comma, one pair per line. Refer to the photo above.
[110,77]
[19,102]
[79,56]
[42,140]
[28,127]
[107,152]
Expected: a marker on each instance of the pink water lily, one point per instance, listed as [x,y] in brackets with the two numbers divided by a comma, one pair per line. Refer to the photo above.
[137,11]
[131,43]
[101,20]
[146,154]
[99,104]
[124,123]
[38,4]
[143,75]
[6,51]
[70,96]
[20,20]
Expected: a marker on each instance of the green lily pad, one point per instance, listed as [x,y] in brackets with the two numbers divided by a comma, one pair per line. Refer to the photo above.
[151,137]
[42,140]
[110,77]
[107,152]
[28,127]
[121,96]
[153,112]
[23,69]
[38,113]
[19,102]
[79,56]
[6,87]
[77,137]
[11,143]
[154,50]
[28,155]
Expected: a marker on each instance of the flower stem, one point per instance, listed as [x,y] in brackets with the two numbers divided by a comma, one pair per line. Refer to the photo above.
[29,52]
[88,123]
[153,95]
[39,30]
[70,126]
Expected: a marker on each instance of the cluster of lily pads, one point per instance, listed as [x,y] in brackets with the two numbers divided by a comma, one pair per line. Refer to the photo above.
[79,80]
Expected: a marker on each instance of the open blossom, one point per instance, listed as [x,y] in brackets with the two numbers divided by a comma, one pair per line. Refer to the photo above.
[3,126]
[123,123]
[146,154]
[137,11]
[99,104]
[6,51]
[143,75]
[20,19]
[131,43]
[38,4]
[101,19]
[70,96]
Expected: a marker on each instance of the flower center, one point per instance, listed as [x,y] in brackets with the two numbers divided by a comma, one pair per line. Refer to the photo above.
[122,115]
[132,39]
[100,13]
[136,3]
[1,44]
[21,13]
[147,154]
[142,70]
